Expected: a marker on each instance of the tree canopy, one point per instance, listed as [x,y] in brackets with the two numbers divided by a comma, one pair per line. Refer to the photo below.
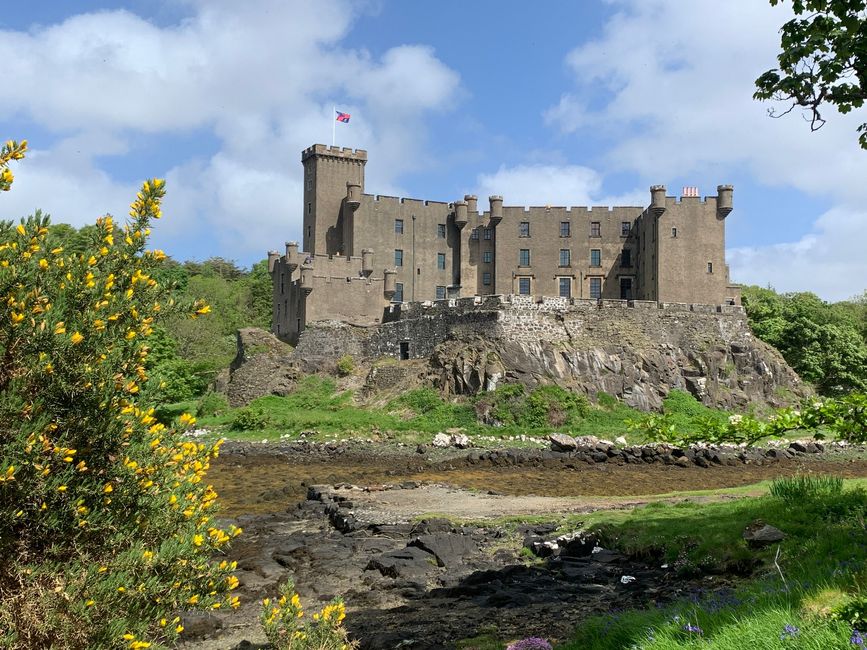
[823,60]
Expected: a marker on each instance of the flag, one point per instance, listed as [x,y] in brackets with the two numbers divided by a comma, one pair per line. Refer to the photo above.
[342,117]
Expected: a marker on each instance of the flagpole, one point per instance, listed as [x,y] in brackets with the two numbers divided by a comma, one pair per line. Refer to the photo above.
[333,123]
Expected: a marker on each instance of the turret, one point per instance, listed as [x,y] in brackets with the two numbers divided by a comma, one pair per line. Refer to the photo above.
[472,203]
[657,200]
[460,213]
[723,200]
[496,209]
[273,256]
[367,261]
[390,283]
[306,278]
[353,195]
[292,255]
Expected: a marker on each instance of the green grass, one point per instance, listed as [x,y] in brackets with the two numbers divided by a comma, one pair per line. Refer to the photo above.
[826,546]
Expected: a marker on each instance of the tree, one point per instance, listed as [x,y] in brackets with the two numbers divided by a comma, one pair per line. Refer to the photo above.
[823,60]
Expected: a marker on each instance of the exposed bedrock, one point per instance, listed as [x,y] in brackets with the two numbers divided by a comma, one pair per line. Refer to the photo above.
[636,351]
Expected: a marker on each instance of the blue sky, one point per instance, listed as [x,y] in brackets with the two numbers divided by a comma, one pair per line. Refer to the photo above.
[544,103]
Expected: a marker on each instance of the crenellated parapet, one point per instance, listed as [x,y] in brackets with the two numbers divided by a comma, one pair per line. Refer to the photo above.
[345,153]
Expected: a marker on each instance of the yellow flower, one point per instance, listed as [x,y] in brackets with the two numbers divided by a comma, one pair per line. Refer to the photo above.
[108,488]
[76,338]
[60,328]
[43,264]
[192,600]
[89,603]
[179,628]
[61,488]
[16,318]
[20,227]
[198,539]
[201,311]
[187,419]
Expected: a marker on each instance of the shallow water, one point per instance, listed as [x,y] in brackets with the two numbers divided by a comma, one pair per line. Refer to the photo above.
[262,483]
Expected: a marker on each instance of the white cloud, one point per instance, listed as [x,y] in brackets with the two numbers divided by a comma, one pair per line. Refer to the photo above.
[555,185]
[678,79]
[260,76]
[829,261]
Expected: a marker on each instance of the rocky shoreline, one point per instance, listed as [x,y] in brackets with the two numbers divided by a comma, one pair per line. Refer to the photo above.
[419,581]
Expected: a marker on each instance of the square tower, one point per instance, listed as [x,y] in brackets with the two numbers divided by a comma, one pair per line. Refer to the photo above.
[330,174]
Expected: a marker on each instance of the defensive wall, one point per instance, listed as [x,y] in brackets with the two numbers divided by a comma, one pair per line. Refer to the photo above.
[414,330]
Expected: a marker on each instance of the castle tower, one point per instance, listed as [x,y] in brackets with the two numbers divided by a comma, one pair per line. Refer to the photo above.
[330,175]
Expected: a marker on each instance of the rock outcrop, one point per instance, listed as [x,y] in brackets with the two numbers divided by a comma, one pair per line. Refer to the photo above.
[262,366]
[634,350]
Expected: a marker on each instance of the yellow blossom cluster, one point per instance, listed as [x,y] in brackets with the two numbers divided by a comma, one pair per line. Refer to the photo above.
[10,151]
[84,460]
[287,628]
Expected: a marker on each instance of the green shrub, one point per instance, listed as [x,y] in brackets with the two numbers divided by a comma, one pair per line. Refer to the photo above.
[607,401]
[249,419]
[345,365]
[105,521]
[795,490]
[211,404]
[541,408]
[179,379]
[421,400]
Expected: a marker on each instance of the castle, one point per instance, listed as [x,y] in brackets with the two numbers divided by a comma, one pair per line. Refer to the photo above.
[362,253]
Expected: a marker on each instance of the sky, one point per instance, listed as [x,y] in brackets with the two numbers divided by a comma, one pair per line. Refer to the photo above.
[546,103]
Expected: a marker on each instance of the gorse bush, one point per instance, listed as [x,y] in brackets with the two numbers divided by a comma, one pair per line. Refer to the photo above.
[287,627]
[797,489]
[105,521]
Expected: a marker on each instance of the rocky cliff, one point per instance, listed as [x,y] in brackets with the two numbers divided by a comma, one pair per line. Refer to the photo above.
[637,351]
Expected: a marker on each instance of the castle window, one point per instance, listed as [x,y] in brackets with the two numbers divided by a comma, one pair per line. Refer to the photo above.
[524,286]
[595,228]
[565,287]
[398,292]
[441,231]
[309,208]
[625,228]
[486,278]
[474,234]
[487,233]
[595,257]
[674,232]
[309,184]
[488,257]
[398,226]
[524,257]
[441,293]
[565,229]
[565,257]
[626,258]
[398,257]
[710,267]
[524,229]
[282,288]
[441,261]
[595,288]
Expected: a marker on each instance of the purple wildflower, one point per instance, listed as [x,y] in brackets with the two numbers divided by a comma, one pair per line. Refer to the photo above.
[856,639]
[693,629]
[789,632]
[533,643]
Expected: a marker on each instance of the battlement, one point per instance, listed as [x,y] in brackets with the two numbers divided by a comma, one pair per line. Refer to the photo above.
[334,152]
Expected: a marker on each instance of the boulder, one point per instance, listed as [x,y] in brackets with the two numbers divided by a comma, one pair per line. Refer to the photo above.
[562,442]
[760,534]
[409,562]
[448,549]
